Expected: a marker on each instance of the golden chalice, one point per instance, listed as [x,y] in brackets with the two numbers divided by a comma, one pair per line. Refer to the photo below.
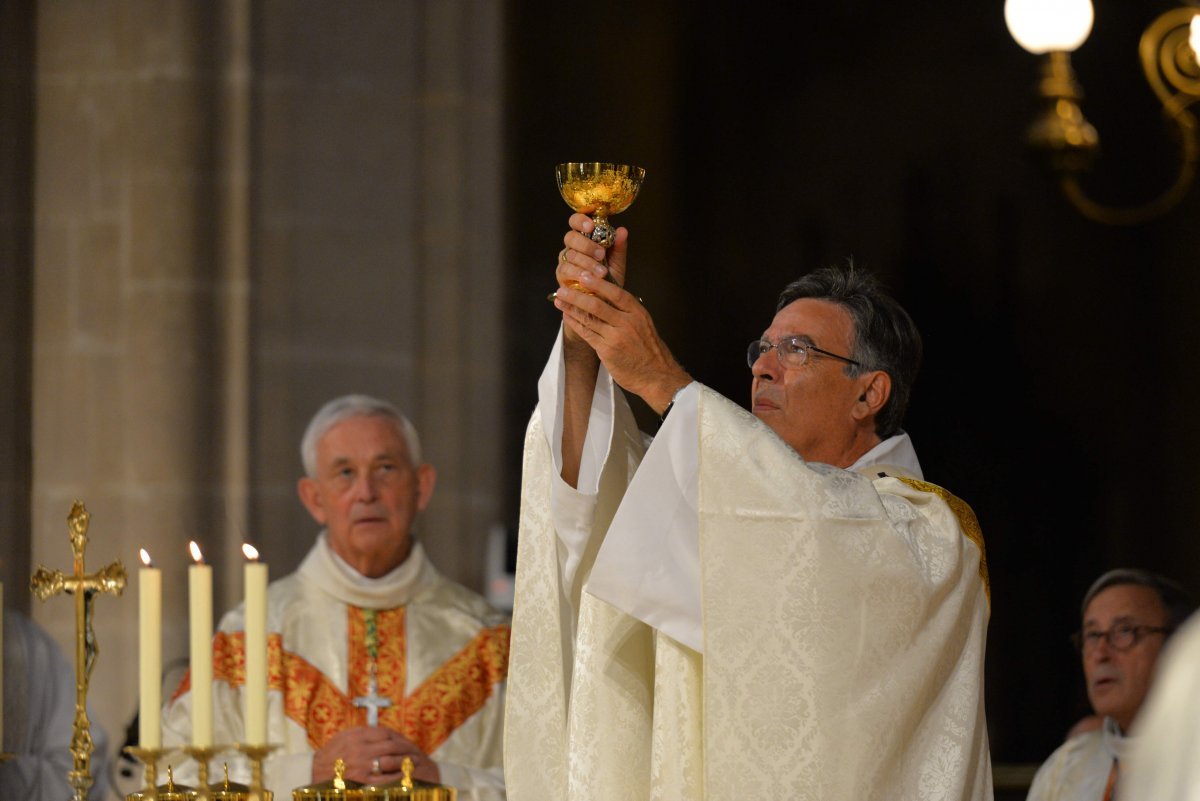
[601,190]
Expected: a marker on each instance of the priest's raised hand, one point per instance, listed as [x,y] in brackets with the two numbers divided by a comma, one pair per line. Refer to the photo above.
[597,310]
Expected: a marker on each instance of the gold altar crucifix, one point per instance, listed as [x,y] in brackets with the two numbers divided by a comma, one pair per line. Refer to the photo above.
[45,583]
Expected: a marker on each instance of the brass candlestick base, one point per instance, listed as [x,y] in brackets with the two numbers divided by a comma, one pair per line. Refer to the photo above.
[149,757]
[257,754]
[203,755]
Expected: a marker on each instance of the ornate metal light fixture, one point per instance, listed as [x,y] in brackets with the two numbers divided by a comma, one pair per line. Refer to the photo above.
[1168,51]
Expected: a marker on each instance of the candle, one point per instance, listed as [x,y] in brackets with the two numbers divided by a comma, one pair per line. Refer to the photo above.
[255,576]
[149,653]
[200,629]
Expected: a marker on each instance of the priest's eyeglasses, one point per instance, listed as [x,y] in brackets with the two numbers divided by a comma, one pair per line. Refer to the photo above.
[1121,637]
[793,352]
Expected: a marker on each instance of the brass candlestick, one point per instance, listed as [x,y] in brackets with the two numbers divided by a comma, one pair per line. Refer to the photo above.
[149,757]
[257,754]
[83,586]
[202,755]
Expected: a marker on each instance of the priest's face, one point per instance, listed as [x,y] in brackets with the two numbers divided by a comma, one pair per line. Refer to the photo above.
[367,493]
[824,414]
[1118,680]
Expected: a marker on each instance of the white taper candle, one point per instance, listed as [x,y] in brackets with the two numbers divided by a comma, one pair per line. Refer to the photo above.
[149,654]
[255,574]
[200,629]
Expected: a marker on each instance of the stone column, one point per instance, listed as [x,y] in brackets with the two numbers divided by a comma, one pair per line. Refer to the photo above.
[139,375]
[462,237]
[241,211]
[16,271]
[378,249]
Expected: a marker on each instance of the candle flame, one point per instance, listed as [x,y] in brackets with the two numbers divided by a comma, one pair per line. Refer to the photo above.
[195,549]
[145,557]
[1194,37]
[250,551]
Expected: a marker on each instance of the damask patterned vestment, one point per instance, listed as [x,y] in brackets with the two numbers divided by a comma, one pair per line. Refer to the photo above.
[720,619]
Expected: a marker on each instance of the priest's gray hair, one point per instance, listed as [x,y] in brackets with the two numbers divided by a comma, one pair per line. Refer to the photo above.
[345,407]
[885,337]
[1175,600]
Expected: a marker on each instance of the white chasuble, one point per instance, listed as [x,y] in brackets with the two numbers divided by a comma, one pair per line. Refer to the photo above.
[831,647]
[844,627]
[1165,760]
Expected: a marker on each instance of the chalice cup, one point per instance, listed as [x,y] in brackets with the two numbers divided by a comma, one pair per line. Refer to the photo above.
[599,189]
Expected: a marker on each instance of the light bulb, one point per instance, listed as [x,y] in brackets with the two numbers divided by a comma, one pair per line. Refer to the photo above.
[1043,26]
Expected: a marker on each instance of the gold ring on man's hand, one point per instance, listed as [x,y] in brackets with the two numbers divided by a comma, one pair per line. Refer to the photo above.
[562,255]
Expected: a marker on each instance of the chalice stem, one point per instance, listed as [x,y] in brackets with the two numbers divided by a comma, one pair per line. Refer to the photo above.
[603,234]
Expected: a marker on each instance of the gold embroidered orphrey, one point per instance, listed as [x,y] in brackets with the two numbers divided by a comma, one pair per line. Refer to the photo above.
[966,519]
[83,586]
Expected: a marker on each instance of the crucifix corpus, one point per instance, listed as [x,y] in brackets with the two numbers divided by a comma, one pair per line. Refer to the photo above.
[83,586]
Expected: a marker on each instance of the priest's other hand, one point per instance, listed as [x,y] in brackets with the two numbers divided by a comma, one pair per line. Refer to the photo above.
[373,755]
[581,255]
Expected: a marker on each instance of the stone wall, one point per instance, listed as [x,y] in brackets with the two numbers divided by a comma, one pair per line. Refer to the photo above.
[239,212]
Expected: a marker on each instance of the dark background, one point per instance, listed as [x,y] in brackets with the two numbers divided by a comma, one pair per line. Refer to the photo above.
[1056,394]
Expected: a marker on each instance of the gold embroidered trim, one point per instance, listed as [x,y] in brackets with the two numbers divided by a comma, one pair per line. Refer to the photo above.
[966,520]
[309,697]
[456,690]
[443,702]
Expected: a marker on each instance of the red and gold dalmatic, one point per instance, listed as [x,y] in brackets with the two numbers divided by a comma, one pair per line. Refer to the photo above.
[442,655]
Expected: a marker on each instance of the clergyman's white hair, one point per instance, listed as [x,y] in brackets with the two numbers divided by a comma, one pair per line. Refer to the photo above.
[345,407]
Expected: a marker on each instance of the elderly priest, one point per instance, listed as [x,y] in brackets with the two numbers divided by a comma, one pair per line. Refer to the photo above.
[373,655]
[761,605]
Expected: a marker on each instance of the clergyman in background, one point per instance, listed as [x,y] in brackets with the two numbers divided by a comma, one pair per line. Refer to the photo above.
[374,655]
[1126,617]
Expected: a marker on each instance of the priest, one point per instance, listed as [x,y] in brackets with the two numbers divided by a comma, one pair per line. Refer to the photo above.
[766,604]
[373,655]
